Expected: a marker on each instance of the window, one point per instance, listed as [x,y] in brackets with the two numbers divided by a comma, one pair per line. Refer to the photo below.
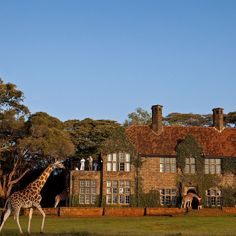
[168,165]
[213,197]
[212,166]
[118,192]
[87,191]
[118,161]
[168,196]
[190,165]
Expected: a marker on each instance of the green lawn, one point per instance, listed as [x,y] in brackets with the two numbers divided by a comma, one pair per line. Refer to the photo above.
[135,226]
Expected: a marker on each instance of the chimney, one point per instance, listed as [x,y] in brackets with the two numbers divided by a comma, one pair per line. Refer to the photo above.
[157,118]
[218,118]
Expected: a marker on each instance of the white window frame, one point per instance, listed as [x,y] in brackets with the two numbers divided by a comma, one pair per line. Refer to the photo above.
[118,192]
[212,165]
[190,165]
[213,197]
[168,196]
[119,162]
[87,191]
[168,165]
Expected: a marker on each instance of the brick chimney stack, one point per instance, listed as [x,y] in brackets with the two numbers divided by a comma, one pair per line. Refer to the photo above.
[218,118]
[157,118]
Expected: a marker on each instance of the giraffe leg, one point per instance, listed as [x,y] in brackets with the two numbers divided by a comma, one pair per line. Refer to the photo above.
[57,200]
[6,215]
[44,215]
[17,213]
[30,218]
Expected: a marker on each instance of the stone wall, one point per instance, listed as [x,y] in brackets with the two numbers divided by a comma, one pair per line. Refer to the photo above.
[77,175]
[152,178]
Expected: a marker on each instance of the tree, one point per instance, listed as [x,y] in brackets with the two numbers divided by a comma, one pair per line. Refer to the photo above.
[46,140]
[139,117]
[12,127]
[88,134]
[11,98]
[26,141]
[230,118]
[42,141]
[180,119]
[118,142]
[142,117]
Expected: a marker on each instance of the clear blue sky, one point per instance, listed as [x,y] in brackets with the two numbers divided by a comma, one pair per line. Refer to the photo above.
[104,58]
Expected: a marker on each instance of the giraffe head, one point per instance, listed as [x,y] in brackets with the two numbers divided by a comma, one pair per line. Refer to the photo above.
[58,164]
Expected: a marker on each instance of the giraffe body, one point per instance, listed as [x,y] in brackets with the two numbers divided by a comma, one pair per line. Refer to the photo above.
[62,196]
[28,198]
[187,200]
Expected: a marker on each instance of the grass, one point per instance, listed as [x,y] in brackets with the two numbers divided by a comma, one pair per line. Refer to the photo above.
[121,226]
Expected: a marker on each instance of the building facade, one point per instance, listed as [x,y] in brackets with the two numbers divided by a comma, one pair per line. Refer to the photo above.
[156,145]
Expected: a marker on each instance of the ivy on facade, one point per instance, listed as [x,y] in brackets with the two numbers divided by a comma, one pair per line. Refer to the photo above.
[189,147]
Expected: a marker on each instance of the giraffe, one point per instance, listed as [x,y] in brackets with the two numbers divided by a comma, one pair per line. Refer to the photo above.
[62,196]
[29,197]
[187,200]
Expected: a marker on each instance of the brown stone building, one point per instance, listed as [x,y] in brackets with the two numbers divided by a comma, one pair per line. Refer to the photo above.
[156,145]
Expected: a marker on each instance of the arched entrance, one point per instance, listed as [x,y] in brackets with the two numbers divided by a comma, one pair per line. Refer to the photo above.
[195,201]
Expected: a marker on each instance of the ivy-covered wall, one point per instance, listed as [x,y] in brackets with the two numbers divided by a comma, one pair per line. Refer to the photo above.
[189,147]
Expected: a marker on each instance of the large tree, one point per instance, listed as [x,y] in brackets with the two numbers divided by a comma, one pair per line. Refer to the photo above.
[26,141]
[12,127]
[88,134]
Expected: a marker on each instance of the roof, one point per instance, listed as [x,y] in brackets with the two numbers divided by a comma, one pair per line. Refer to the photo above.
[214,143]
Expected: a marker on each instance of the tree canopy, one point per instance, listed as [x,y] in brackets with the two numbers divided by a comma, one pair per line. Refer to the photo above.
[88,135]
[26,141]
[143,117]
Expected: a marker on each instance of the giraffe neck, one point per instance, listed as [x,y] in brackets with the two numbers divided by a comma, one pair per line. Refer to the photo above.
[41,180]
[196,196]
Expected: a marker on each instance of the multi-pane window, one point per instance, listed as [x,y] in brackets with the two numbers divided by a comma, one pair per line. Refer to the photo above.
[112,162]
[118,161]
[168,196]
[167,165]
[87,191]
[212,166]
[118,192]
[213,197]
[190,165]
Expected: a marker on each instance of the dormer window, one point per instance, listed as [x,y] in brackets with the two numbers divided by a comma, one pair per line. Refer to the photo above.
[118,162]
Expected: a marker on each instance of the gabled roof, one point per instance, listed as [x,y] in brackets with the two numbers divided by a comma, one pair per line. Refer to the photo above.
[214,143]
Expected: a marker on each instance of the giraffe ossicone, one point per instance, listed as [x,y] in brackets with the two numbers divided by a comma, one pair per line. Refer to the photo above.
[29,197]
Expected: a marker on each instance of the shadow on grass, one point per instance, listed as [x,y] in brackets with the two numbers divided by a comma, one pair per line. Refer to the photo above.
[14,233]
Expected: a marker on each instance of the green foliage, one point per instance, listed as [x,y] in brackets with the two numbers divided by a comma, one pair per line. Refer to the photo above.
[151,199]
[230,119]
[228,165]
[137,162]
[189,148]
[11,99]
[88,135]
[229,197]
[46,140]
[180,119]
[143,117]
[139,117]
[118,142]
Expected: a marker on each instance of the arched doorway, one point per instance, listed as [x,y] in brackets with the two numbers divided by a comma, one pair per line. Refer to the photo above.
[195,201]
